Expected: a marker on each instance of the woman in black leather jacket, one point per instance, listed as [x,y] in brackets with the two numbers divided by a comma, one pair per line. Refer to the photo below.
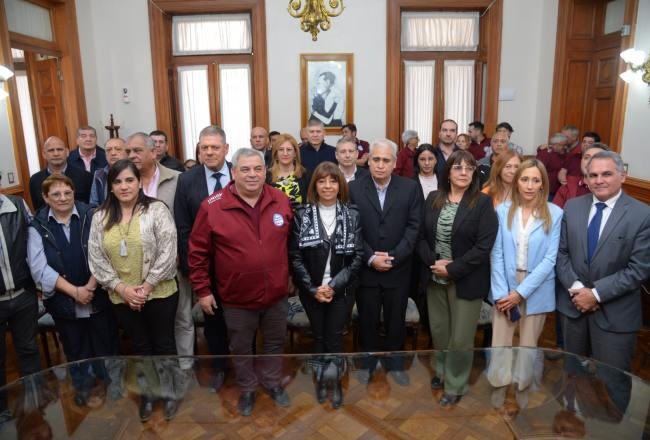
[326,251]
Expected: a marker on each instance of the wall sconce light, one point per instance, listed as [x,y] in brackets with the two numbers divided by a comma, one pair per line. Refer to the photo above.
[5,74]
[639,66]
[315,13]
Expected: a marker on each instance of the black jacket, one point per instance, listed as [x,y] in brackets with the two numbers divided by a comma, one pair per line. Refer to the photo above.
[191,190]
[14,220]
[61,304]
[393,229]
[172,163]
[309,264]
[81,179]
[472,237]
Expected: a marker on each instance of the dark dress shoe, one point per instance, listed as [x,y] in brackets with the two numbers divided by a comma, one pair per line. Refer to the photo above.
[280,396]
[437,383]
[246,403]
[449,400]
[217,381]
[81,399]
[146,408]
[337,395]
[321,391]
[170,408]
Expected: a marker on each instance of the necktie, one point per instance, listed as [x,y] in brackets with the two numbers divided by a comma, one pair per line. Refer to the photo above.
[593,230]
[217,186]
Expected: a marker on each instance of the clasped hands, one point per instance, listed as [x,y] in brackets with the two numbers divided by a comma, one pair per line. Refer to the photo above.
[382,261]
[324,294]
[508,302]
[439,268]
[85,294]
[584,300]
[136,296]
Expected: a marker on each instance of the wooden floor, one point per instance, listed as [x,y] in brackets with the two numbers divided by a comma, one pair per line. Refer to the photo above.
[381,410]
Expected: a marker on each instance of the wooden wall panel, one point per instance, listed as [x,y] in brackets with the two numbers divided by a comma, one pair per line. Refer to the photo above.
[583,20]
[576,91]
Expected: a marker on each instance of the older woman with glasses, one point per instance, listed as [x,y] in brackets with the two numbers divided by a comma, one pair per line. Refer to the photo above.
[458,230]
[58,244]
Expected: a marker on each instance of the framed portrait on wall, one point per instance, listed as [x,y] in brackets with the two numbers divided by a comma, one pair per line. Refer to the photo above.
[326,90]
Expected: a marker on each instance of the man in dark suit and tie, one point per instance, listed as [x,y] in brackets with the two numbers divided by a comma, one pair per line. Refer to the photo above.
[603,258]
[55,152]
[193,187]
[390,208]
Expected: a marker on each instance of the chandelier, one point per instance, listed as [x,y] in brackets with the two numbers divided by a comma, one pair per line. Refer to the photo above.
[314,14]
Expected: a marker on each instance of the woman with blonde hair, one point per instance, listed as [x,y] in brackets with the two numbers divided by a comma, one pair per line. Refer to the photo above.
[286,172]
[522,278]
[502,174]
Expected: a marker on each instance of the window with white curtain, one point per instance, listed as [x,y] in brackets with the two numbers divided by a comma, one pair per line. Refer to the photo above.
[194,104]
[235,105]
[459,92]
[211,34]
[418,97]
[439,52]
[440,31]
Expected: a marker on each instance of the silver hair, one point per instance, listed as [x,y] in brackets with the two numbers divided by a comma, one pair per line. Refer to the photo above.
[558,138]
[571,129]
[112,139]
[383,143]
[408,135]
[148,142]
[86,128]
[246,152]
[620,166]
[314,122]
[345,140]
[213,130]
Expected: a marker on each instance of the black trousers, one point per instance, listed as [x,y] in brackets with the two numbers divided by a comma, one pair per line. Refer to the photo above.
[216,335]
[370,303]
[85,338]
[327,321]
[20,315]
[151,330]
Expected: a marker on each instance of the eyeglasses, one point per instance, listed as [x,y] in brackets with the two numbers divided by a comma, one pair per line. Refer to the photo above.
[466,168]
[61,195]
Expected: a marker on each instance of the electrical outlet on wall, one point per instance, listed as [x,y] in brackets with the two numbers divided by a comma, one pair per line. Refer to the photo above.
[10,177]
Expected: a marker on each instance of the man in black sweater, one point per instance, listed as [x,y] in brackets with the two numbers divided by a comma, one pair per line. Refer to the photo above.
[55,152]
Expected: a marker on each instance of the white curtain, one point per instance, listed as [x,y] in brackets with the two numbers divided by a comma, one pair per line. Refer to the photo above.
[211,34]
[27,119]
[418,98]
[235,105]
[459,92]
[194,99]
[440,31]
[27,18]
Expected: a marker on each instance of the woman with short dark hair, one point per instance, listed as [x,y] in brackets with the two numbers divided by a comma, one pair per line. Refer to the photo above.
[458,230]
[326,251]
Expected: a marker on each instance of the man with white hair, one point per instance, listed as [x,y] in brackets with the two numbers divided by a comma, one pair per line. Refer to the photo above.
[390,208]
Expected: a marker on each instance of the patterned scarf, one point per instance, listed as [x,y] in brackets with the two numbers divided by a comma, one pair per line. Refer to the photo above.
[310,230]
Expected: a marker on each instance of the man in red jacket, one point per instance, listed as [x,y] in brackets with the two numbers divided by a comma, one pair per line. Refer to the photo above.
[240,235]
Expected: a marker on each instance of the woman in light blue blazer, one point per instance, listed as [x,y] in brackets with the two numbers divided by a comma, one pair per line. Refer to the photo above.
[522,278]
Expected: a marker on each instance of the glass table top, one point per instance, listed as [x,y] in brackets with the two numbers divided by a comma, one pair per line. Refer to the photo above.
[553,395]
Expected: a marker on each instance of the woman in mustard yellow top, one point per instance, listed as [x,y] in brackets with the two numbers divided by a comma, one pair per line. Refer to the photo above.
[132,252]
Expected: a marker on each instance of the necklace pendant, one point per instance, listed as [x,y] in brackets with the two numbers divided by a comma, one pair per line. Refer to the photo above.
[123,249]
